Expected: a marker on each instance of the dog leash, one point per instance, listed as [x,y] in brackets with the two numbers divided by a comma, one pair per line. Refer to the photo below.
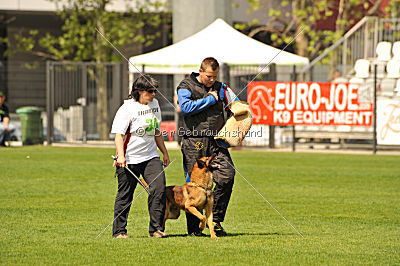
[135,176]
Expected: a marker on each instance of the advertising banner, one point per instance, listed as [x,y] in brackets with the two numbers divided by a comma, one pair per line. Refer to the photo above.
[388,122]
[308,103]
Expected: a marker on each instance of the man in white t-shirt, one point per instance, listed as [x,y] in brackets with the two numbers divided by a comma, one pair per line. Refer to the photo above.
[137,136]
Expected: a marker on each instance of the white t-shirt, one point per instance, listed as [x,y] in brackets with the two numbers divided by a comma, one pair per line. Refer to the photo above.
[137,122]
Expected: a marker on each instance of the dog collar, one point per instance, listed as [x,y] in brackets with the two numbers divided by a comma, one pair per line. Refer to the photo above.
[197,185]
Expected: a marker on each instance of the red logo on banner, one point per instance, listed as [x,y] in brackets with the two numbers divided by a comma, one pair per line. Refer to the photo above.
[307,103]
[261,101]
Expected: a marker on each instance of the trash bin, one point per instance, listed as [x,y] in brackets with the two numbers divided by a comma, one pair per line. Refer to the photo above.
[31,125]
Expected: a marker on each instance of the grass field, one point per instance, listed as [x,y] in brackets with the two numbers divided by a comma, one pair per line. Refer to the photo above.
[56,201]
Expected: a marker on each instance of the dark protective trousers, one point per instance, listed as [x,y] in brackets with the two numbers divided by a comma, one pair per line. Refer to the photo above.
[153,173]
[194,148]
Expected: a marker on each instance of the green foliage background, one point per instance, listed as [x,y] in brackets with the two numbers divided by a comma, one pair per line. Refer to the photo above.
[80,41]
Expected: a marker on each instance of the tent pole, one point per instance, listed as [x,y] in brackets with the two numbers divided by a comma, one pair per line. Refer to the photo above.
[225,76]
[294,127]
[272,77]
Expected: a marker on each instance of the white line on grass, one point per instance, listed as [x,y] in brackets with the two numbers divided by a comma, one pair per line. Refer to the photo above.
[266,200]
[132,202]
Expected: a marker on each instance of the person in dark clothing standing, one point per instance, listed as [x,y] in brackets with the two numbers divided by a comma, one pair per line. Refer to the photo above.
[204,101]
[5,129]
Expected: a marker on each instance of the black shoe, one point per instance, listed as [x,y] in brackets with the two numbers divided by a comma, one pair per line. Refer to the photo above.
[219,230]
[198,234]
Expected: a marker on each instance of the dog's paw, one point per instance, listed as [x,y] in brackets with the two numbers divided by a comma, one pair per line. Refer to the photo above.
[214,237]
[202,225]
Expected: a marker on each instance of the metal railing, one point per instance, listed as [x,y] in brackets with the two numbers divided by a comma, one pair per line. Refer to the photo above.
[359,42]
[76,105]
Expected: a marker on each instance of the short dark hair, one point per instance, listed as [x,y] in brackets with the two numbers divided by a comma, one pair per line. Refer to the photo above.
[142,83]
[209,62]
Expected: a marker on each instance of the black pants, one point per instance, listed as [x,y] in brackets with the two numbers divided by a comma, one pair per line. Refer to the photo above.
[194,148]
[153,173]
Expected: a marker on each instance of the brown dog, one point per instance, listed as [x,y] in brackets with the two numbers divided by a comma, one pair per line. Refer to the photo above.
[194,195]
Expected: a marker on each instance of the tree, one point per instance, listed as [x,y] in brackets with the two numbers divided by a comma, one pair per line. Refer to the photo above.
[80,41]
[301,18]
[393,9]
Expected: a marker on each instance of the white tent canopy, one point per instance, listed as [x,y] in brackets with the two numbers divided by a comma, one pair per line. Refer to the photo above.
[218,40]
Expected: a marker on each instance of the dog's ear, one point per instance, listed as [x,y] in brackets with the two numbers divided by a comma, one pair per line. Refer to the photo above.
[200,163]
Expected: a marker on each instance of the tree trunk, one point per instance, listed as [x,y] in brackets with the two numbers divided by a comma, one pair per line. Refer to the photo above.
[301,39]
[301,43]
[102,102]
[101,84]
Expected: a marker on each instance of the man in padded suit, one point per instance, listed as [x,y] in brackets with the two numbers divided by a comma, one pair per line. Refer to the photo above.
[203,101]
